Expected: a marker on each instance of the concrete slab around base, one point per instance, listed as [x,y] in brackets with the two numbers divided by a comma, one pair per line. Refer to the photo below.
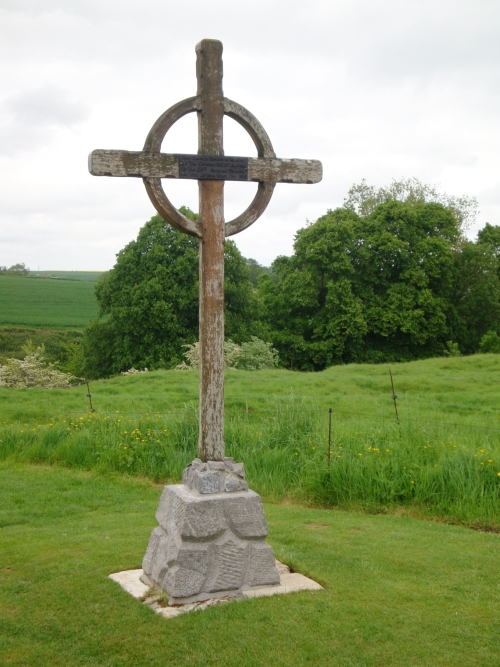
[290,582]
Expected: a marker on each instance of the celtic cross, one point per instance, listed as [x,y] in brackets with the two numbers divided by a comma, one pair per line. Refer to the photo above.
[210,168]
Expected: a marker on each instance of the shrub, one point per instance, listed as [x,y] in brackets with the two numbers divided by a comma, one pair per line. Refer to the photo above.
[252,356]
[490,342]
[257,355]
[451,350]
[33,371]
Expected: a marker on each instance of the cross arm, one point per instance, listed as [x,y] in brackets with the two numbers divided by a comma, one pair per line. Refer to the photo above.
[148,164]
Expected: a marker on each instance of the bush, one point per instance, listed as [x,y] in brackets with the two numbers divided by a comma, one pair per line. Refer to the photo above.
[252,356]
[33,371]
[257,355]
[451,350]
[490,342]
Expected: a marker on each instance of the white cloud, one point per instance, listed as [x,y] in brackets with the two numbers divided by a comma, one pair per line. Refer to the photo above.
[376,89]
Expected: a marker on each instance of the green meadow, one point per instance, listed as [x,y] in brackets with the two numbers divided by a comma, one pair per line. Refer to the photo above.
[398,592]
[442,460]
[46,302]
[93,276]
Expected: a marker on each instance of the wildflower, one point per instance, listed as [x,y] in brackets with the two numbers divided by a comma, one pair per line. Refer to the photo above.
[314,448]
[498,474]
[412,482]
[490,460]
[296,453]
[387,450]
[360,454]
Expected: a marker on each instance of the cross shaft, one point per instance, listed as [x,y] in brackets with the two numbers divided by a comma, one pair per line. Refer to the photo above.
[211,211]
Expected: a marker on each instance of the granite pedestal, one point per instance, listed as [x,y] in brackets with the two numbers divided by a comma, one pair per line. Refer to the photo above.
[210,541]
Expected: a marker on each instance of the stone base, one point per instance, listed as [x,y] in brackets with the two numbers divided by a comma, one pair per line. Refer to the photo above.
[209,544]
[132,582]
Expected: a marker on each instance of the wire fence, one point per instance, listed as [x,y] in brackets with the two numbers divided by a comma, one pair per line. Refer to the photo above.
[265,413]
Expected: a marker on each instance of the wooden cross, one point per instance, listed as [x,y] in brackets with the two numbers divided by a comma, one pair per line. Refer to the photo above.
[210,168]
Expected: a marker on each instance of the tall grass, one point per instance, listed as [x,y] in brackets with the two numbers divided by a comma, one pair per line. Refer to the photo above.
[443,471]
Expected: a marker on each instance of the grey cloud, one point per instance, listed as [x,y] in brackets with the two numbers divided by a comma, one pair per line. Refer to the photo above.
[47,105]
[30,119]
[381,90]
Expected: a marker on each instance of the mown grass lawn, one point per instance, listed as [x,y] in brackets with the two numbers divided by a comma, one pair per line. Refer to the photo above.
[398,591]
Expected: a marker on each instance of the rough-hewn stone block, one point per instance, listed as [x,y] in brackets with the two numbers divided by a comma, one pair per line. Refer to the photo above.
[209,543]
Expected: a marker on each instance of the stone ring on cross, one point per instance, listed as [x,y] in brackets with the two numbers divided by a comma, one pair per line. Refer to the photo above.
[152,165]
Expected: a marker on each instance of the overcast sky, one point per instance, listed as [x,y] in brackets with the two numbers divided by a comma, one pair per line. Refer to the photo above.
[375,89]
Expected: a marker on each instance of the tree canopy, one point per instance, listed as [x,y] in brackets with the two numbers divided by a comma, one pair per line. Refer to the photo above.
[148,302]
[389,276]
[397,283]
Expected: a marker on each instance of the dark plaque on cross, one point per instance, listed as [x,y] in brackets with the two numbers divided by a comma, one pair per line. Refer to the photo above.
[211,168]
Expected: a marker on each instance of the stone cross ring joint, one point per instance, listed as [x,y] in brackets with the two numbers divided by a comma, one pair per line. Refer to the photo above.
[152,165]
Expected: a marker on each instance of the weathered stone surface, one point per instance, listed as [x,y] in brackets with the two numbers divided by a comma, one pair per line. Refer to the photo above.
[245,516]
[211,477]
[194,557]
[163,511]
[182,583]
[231,483]
[229,566]
[262,570]
[209,543]
[239,469]
[208,482]
[216,465]
[149,558]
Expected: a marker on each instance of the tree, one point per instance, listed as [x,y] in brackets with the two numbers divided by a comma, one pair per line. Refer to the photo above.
[363,199]
[369,288]
[490,235]
[15,270]
[256,270]
[475,297]
[148,303]
[490,342]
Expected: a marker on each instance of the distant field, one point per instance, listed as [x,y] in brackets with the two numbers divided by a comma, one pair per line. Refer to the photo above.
[93,276]
[46,303]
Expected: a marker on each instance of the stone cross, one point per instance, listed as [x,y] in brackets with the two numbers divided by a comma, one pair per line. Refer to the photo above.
[210,168]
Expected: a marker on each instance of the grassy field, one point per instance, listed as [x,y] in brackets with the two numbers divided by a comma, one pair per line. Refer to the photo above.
[93,276]
[38,302]
[398,592]
[442,460]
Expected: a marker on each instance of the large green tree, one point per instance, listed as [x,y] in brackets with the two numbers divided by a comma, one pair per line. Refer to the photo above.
[368,288]
[148,302]
[475,298]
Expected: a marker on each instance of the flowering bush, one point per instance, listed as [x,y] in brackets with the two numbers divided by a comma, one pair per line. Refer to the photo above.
[257,355]
[252,356]
[33,371]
